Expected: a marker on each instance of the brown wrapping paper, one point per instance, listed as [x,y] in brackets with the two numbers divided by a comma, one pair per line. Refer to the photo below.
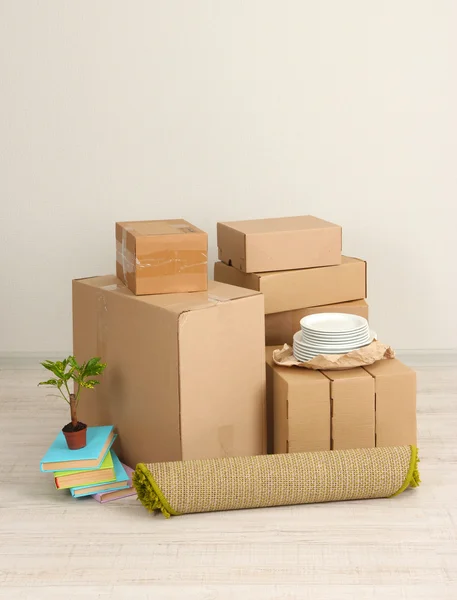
[357,358]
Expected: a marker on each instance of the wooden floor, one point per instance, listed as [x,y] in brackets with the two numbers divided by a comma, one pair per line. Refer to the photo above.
[52,546]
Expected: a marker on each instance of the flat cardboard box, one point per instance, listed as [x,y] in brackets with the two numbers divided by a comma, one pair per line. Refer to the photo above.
[355,408]
[395,386]
[185,375]
[261,245]
[280,327]
[301,288]
[161,257]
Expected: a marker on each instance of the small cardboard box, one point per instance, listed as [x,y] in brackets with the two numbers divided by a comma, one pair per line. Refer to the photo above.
[298,409]
[161,257]
[395,388]
[329,410]
[261,245]
[302,288]
[352,402]
[185,375]
[280,327]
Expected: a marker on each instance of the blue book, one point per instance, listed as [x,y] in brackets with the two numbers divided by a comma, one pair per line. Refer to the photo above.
[122,481]
[60,458]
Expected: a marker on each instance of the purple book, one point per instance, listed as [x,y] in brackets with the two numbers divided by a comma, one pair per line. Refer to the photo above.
[115,493]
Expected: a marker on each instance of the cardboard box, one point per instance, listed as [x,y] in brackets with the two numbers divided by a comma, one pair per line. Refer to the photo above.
[280,327]
[186,372]
[161,257]
[302,288]
[279,244]
[356,408]
[298,409]
[352,401]
[395,387]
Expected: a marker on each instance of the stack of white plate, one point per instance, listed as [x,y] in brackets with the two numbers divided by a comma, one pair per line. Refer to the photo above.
[331,333]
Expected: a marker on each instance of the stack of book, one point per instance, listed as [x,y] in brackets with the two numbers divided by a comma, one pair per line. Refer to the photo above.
[94,470]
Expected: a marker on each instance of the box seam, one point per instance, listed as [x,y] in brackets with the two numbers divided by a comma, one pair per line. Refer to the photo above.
[330,391]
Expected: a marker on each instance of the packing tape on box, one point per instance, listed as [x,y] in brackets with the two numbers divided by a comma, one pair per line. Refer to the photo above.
[195,486]
[183,261]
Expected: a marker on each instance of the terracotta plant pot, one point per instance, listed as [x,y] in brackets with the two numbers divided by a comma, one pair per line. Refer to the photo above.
[75,439]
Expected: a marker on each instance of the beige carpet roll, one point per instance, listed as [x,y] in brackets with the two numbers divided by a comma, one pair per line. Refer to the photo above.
[196,486]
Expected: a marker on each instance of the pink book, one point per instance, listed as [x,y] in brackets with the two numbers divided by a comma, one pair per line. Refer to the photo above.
[115,494]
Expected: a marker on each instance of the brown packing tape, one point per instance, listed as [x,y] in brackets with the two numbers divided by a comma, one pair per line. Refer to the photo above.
[171,262]
[165,262]
[184,228]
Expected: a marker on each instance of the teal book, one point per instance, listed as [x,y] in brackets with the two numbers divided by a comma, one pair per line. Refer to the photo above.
[122,481]
[60,458]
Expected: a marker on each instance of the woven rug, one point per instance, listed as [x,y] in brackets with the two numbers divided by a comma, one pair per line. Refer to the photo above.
[195,486]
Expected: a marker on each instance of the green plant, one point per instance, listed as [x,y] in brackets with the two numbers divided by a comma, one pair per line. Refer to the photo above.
[68,373]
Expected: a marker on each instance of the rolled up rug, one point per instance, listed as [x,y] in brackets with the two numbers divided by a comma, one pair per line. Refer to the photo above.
[194,486]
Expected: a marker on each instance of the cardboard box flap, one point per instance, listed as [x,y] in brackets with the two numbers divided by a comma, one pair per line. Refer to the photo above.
[356,373]
[345,260]
[166,227]
[217,292]
[282,224]
[388,368]
[176,303]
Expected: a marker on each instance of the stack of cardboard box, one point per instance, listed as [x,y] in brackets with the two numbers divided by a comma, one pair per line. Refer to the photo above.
[297,264]
[186,357]
[185,374]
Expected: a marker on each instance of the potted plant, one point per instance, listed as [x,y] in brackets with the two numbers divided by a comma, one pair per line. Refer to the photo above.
[68,374]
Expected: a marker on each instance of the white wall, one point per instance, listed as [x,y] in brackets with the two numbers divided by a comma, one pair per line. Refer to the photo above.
[217,110]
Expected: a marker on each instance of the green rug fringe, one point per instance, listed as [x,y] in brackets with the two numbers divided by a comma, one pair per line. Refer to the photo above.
[412,478]
[149,493]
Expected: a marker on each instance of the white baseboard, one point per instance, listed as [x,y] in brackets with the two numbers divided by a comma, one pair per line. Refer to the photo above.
[414,357]
[428,357]
[28,360]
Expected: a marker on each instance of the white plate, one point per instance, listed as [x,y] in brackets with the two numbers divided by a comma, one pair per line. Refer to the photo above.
[306,345]
[333,323]
[309,350]
[303,341]
[318,352]
[334,336]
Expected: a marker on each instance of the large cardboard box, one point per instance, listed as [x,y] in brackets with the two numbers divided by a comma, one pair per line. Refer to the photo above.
[262,245]
[186,372]
[301,288]
[280,327]
[356,408]
[161,257]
